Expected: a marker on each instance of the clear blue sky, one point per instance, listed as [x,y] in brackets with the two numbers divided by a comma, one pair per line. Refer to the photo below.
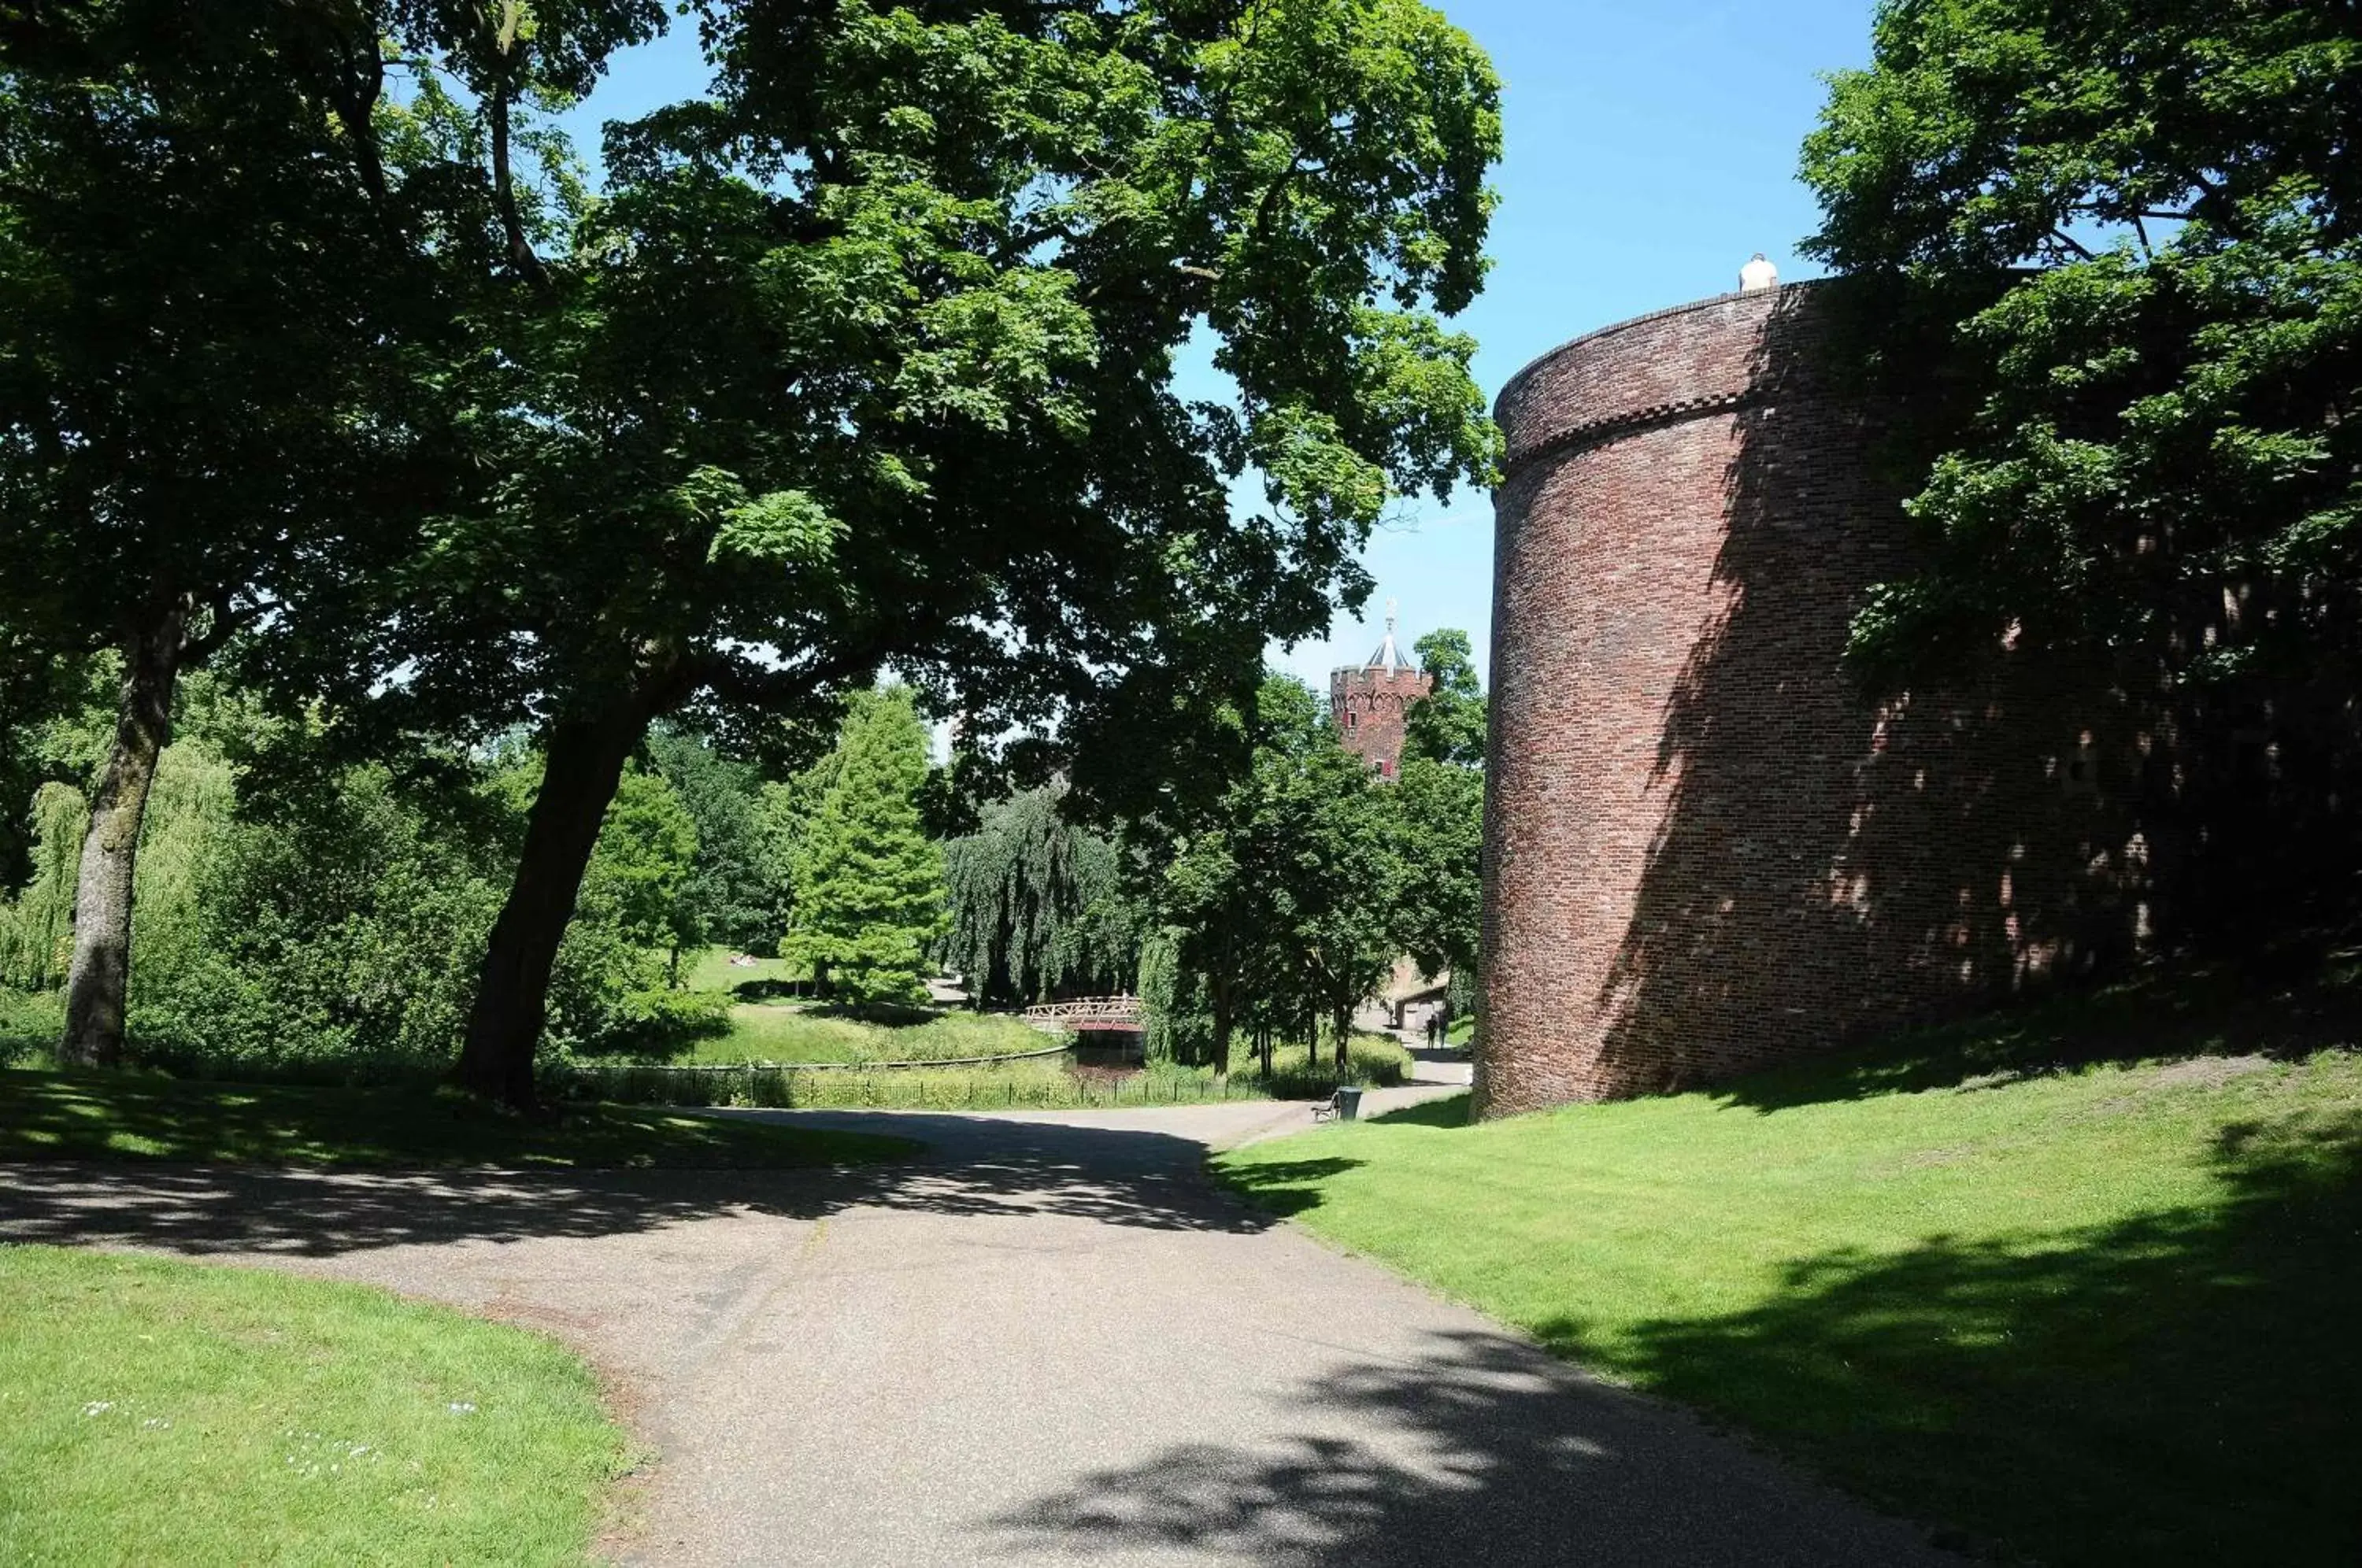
[1651,149]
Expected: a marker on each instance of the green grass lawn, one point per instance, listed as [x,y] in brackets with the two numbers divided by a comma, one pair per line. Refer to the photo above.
[2058,1279]
[710,971]
[788,1033]
[143,1115]
[168,1412]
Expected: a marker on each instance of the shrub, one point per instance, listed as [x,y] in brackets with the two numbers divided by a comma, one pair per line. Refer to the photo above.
[30,1023]
[660,1022]
[342,944]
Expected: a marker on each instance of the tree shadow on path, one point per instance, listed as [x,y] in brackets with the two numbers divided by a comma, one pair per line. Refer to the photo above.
[1479,1449]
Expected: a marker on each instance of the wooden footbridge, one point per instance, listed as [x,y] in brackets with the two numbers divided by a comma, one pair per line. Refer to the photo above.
[1119,1015]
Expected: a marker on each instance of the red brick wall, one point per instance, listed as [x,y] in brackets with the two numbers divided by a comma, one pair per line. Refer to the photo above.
[1367,707]
[1705,849]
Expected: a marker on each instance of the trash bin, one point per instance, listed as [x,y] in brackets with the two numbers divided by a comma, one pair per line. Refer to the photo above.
[1349,1102]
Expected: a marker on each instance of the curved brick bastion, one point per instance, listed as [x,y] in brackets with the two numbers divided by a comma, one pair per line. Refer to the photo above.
[1705,849]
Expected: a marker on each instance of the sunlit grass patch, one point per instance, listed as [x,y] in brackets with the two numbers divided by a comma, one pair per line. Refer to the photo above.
[2049,1277]
[155,1411]
[711,969]
[792,1033]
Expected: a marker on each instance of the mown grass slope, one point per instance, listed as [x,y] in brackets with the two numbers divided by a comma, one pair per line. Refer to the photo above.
[2080,1282]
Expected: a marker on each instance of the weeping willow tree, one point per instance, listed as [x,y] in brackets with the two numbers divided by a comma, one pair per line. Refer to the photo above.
[1035,906]
[37,926]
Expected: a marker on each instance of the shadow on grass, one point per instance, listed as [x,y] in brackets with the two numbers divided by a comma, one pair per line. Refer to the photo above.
[146,1116]
[2181,1388]
[1447,1112]
[1475,1448]
[2229,1009]
[971,1166]
[1284,1187]
[767,990]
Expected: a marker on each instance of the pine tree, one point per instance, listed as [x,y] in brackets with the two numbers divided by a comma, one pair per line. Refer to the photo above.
[869,883]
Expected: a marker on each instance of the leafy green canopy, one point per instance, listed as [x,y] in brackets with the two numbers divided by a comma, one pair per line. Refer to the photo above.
[728,895]
[1437,815]
[1275,898]
[869,883]
[2143,220]
[215,307]
[1447,725]
[333,935]
[870,358]
[1036,904]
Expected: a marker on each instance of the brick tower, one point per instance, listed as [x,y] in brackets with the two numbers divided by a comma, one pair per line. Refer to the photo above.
[1706,848]
[1367,703]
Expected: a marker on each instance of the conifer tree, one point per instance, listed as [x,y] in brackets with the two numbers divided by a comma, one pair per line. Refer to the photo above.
[869,883]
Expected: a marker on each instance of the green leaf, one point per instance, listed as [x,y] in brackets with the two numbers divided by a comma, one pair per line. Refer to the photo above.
[788,525]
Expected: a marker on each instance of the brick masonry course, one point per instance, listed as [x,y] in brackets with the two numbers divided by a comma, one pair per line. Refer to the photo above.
[1707,848]
[1368,706]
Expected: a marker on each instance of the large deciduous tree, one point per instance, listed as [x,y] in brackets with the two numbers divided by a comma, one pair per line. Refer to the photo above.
[872,359]
[2139,226]
[243,250]
[1447,724]
[1436,811]
[208,284]
[1276,895]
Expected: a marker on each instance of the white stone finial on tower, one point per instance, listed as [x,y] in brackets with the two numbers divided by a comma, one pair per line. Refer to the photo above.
[1758,275]
[1387,659]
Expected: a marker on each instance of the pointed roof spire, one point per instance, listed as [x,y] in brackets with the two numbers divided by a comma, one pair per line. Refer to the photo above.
[1387,658]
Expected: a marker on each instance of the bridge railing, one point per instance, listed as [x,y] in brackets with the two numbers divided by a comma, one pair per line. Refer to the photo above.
[1071,1010]
[1087,1006]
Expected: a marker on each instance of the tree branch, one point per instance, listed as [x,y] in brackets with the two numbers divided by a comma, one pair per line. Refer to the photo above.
[1018,244]
[363,86]
[225,619]
[521,252]
[732,681]
[2063,237]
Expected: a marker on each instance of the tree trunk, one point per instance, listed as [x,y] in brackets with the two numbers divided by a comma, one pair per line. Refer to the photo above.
[582,766]
[100,974]
[1344,1025]
[1221,1029]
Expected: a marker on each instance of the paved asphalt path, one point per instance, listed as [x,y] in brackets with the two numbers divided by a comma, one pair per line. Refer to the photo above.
[1047,1341]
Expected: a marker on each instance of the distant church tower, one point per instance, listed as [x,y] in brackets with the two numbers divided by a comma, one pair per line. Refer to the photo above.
[1367,704]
